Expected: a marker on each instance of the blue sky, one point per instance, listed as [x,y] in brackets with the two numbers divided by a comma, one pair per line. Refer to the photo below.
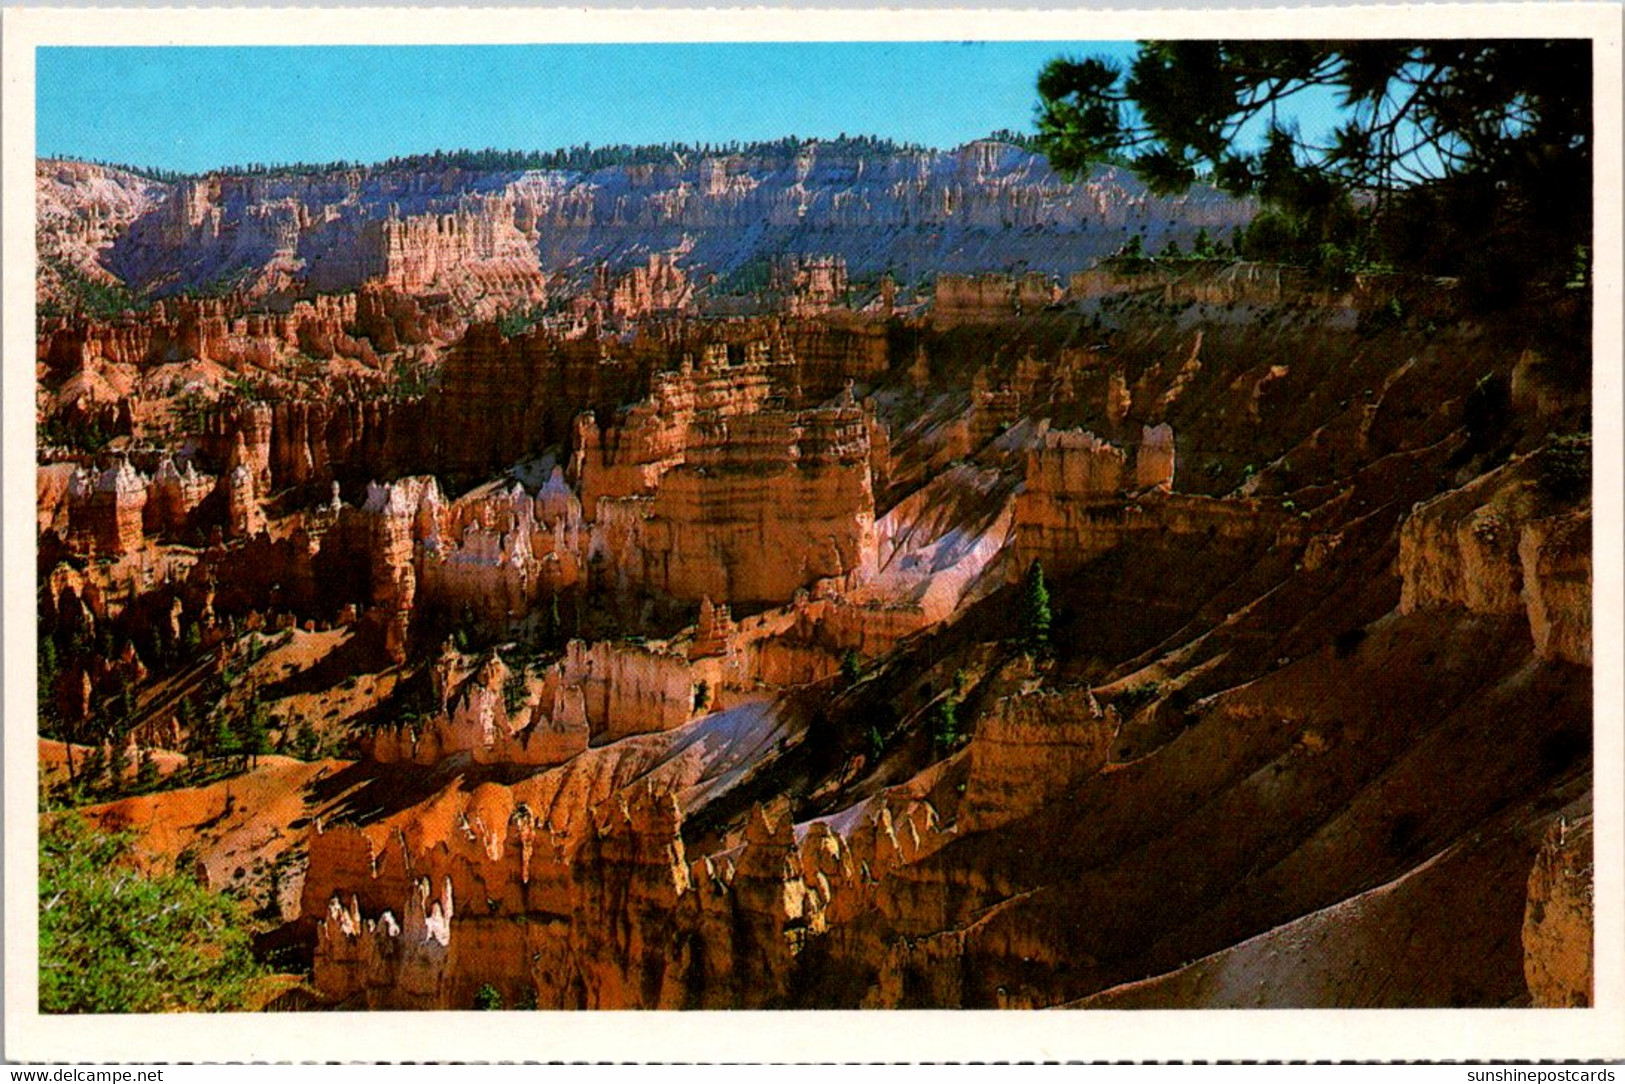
[193,108]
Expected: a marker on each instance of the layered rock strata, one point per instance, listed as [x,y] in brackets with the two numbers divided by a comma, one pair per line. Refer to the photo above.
[1081,498]
[484,238]
[81,210]
[1495,546]
[1026,752]
[961,298]
[763,505]
[279,234]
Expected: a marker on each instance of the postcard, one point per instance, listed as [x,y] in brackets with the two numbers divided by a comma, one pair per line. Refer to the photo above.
[835,532]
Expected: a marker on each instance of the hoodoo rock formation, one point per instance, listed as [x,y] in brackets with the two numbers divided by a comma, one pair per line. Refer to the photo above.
[105,509]
[619,589]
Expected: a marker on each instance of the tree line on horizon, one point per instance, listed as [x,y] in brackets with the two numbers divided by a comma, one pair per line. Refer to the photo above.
[581,158]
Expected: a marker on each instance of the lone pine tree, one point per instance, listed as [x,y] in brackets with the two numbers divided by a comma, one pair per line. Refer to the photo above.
[1035,610]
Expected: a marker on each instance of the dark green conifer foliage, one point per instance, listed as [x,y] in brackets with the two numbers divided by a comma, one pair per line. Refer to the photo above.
[1468,157]
[1035,609]
[945,724]
[114,940]
[146,770]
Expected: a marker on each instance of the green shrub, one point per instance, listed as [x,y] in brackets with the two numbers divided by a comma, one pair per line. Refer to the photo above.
[513,324]
[75,433]
[1135,697]
[1565,467]
[87,297]
[407,381]
[945,724]
[876,743]
[1390,313]
[113,940]
[146,771]
[514,692]
[1203,248]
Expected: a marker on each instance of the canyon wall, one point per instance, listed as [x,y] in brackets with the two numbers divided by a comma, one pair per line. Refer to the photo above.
[81,210]
[1026,752]
[484,238]
[763,504]
[1081,498]
[1225,282]
[1503,545]
[450,232]
[961,298]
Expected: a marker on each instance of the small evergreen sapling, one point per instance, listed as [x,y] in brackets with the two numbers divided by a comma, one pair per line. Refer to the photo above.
[1035,610]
